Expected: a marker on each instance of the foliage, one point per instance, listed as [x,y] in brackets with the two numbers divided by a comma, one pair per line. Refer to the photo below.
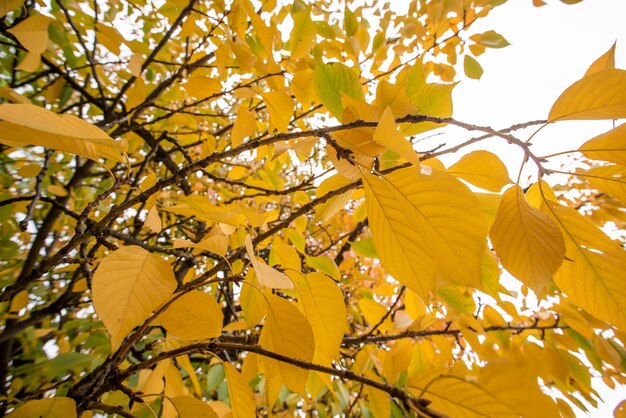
[215,208]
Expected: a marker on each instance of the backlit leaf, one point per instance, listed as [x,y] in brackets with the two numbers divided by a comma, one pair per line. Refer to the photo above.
[127,287]
[26,124]
[280,106]
[331,81]
[610,179]
[428,228]
[387,135]
[288,332]
[606,61]
[266,276]
[472,67]
[528,243]
[483,169]
[194,316]
[325,309]
[303,34]
[240,395]
[245,125]
[609,146]
[109,37]
[593,274]
[601,95]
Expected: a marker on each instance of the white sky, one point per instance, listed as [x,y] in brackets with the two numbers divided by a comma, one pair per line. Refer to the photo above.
[551,47]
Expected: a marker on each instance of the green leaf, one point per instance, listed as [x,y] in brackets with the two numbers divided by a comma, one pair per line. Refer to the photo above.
[472,68]
[331,81]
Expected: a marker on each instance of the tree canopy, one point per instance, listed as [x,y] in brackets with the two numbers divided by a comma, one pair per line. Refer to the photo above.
[225,208]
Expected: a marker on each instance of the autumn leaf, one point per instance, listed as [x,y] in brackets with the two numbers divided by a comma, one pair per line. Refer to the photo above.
[600,95]
[528,243]
[128,286]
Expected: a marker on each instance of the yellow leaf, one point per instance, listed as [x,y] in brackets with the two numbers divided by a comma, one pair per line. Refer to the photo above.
[127,287]
[266,275]
[15,97]
[26,124]
[202,208]
[620,410]
[538,192]
[303,34]
[280,107]
[239,393]
[285,256]
[483,169]
[194,316]
[528,243]
[190,407]
[57,407]
[606,61]
[153,221]
[326,311]
[601,95]
[109,37]
[252,301]
[201,87]
[610,146]
[216,243]
[387,135]
[373,312]
[428,229]
[302,86]
[289,333]
[32,33]
[610,179]
[245,125]
[395,97]
[8,6]
[594,273]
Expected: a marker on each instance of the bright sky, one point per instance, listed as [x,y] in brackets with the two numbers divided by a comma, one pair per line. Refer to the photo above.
[551,47]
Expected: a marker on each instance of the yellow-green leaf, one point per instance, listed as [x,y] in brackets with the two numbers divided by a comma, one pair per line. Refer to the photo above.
[127,287]
[472,68]
[239,393]
[26,124]
[387,135]
[606,61]
[288,332]
[490,39]
[57,407]
[331,81]
[324,264]
[601,95]
[326,311]
[266,276]
[431,99]
[190,407]
[194,316]
[529,244]
[428,228]
[280,107]
[594,273]
[609,146]
[483,169]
